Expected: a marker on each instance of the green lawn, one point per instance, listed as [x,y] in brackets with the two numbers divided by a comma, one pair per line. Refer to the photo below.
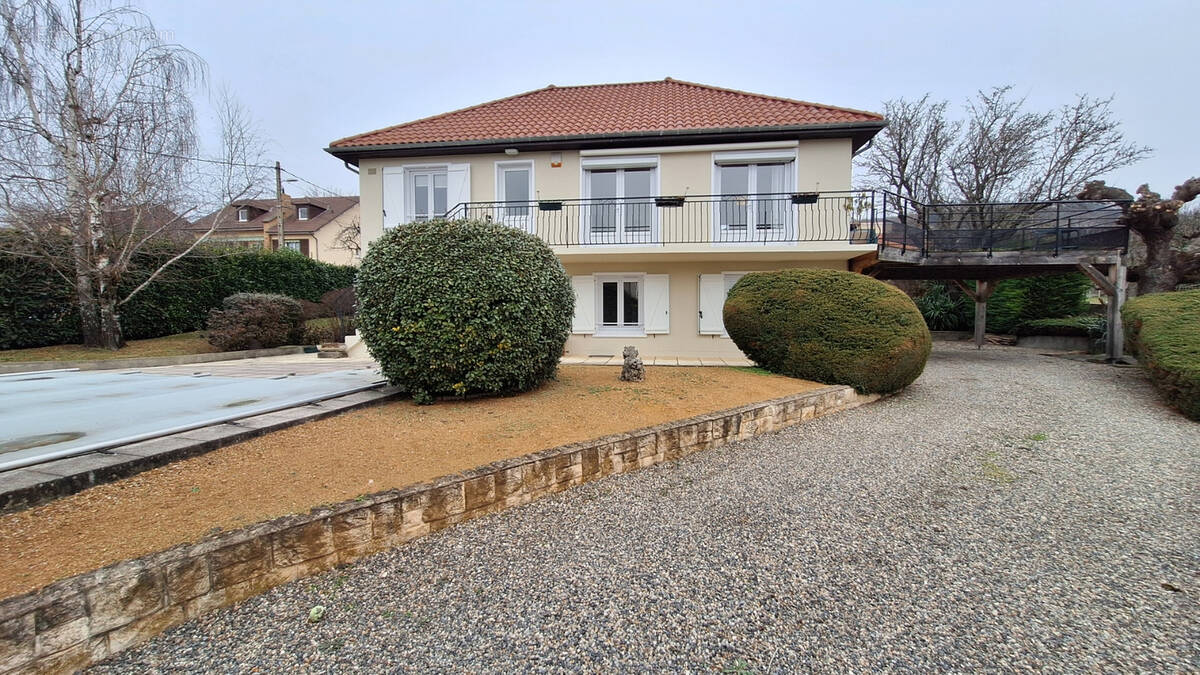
[171,345]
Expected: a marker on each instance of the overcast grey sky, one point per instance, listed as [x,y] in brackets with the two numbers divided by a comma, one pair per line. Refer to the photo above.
[312,72]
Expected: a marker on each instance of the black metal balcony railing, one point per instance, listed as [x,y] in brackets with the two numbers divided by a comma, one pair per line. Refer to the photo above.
[896,224]
[1049,227]
[727,219]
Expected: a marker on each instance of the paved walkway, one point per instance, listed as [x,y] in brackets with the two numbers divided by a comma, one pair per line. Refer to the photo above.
[1008,511]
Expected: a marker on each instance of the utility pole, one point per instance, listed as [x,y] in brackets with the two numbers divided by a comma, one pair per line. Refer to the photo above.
[279,201]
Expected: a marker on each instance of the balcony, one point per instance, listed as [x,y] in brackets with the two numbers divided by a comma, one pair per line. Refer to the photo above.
[733,220]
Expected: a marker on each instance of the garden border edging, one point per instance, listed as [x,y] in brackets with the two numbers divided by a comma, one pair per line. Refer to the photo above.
[81,620]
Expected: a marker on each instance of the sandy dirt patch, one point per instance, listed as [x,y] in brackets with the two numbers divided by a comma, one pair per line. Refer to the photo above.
[360,452]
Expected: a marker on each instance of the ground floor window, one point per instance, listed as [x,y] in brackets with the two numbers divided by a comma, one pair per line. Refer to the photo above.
[619,305]
[293,244]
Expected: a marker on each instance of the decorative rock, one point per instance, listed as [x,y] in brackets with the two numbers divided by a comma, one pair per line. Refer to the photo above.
[632,370]
[316,613]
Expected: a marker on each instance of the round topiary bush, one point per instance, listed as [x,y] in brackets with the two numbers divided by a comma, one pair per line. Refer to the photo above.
[829,326]
[459,307]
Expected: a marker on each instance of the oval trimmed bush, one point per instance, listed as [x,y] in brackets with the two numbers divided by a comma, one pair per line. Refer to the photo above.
[255,321]
[462,307]
[829,326]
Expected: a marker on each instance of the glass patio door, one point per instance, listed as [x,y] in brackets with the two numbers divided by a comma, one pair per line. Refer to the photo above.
[621,207]
[754,205]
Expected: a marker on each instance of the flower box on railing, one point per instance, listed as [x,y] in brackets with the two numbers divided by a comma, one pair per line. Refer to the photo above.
[550,206]
[668,201]
[805,198]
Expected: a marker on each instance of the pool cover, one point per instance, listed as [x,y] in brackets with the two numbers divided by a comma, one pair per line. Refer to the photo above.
[49,412]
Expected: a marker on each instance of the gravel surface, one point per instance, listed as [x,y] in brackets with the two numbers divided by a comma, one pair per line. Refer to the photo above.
[1008,511]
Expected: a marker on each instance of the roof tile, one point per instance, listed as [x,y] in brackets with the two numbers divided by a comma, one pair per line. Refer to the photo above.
[602,109]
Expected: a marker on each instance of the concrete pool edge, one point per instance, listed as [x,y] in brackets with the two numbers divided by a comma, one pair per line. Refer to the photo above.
[7,368]
[30,486]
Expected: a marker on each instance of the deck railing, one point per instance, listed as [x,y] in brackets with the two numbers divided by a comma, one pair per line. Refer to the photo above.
[759,219]
[898,225]
[1047,227]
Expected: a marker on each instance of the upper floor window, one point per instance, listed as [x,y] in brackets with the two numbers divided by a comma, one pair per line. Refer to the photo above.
[514,183]
[620,199]
[243,215]
[302,213]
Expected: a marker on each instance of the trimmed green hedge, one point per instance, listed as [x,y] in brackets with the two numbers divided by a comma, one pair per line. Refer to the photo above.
[1088,326]
[463,307]
[37,306]
[1163,331]
[1015,301]
[829,326]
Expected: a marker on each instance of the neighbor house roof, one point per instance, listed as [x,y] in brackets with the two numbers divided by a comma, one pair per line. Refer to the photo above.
[330,209]
[639,109]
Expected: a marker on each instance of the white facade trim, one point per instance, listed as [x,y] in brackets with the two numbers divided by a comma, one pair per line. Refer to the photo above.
[603,152]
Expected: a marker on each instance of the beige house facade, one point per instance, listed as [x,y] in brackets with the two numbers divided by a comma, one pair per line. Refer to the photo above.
[653,225]
[321,228]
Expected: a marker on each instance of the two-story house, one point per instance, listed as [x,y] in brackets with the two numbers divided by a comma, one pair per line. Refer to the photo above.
[322,228]
[656,196]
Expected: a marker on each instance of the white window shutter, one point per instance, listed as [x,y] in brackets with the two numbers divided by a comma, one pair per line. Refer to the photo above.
[458,185]
[712,302]
[393,199]
[585,304]
[657,303]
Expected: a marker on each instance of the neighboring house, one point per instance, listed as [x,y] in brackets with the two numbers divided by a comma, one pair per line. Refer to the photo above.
[317,227]
[656,196]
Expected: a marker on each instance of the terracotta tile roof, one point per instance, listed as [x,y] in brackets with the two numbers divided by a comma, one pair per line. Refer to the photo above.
[610,109]
[330,208]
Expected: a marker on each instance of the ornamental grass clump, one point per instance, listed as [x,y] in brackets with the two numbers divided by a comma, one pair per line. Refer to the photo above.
[463,307]
[829,326]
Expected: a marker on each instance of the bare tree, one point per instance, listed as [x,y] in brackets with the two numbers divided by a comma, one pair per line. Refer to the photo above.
[1000,151]
[97,132]
[349,237]
[1171,254]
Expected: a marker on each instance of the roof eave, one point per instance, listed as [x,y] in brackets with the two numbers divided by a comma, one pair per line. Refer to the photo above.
[859,132]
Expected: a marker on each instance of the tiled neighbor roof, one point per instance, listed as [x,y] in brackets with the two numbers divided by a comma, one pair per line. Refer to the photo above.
[332,208]
[612,110]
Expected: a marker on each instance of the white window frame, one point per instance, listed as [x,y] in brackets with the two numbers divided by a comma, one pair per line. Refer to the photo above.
[619,164]
[410,190]
[302,212]
[287,243]
[243,215]
[526,221]
[638,330]
[753,158]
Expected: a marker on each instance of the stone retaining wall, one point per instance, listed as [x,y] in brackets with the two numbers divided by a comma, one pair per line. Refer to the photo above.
[84,619]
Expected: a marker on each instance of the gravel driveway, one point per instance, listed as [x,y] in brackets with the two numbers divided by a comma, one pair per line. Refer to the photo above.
[1008,511]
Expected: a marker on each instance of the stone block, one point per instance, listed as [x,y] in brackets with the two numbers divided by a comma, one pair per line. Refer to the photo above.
[145,628]
[76,658]
[668,443]
[446,500]
[187,579]
[479,492]
[352,533]
[386,520]
[589,462]
[808,412]
[118,602]
[240,562]
[62,610]
[509,481]
[62,636]
[283,575]
[16,642]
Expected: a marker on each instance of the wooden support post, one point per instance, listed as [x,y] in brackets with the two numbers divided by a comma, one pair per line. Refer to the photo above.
[980,294]
[1116,330]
